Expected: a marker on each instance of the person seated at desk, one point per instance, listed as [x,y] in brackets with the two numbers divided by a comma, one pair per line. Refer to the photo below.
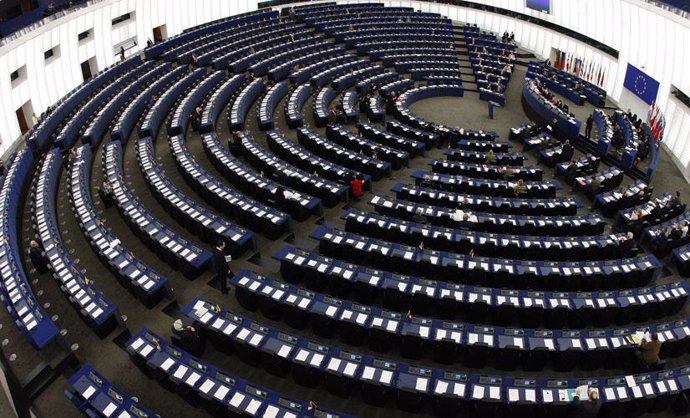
[357,184]
[105,192]
[676,233]
[236,144]
[660,243]
[626,245]
[594,186]
[426,182]
[187,337]
[567,150]
[471,217]
[490,157]
[649,348]
[458,215]
[520,188]
[38,257]
[586,401]
[418,216]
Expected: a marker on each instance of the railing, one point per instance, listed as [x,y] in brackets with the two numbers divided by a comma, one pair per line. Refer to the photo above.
[21,25]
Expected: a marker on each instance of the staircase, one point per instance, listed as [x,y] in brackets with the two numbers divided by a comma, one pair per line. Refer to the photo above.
[590,147]
[468,81]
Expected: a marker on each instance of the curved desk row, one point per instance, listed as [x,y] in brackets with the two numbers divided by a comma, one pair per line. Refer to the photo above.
[211,39]
[128,119]
[507,205]
[314,142]
[567,126]
[94,395]
[169,246]
[500,244]
[41,136]
[267,107]
[102,120]
[197,219]
[341,135]
[218,391]
[374,133]
[294,154]
[17,295]
[139,278]
[575,225]
[248,181]
[329,192]
[94,307]
[499,188]
[474,344]
[624,273]
[450,392]
[488,305]
[233,204]
[483,171]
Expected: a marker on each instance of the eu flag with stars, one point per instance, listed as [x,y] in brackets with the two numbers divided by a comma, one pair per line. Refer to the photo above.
[644,86]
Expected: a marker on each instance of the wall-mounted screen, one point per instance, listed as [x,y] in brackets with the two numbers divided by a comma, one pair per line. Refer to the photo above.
[539,5]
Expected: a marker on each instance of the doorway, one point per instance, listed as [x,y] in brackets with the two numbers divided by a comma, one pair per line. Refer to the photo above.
[88,68]
[160,33]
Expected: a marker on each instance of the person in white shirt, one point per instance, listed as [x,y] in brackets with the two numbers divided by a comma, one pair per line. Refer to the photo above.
[458,215]
[471,217]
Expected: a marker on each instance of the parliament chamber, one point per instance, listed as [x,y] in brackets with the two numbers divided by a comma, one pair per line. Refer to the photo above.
[340,209]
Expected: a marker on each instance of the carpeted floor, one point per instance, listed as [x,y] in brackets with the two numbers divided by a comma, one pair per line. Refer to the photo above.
[108,357]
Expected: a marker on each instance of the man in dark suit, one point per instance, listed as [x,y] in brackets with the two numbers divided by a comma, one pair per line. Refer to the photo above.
[588,127]
[185,333]
[221,266]
[587,404]
[38,257]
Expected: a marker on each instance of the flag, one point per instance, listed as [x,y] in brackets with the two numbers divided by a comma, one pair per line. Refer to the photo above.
[644,86]
[590,70]
[650,111]
[563,57]
[557,61]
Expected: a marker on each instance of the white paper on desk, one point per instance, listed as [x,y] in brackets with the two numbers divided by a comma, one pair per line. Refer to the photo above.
[547,396]
[441,387]
[513,395]
[421,384]
[167,363]
[253,406]
[206,387]
[302,355]
[237,399]
[478,392]
[562,395]
[136,344]
[531,395]
[630,381]
[494,392]
[109,409]
[191,380]
[386,377]
[88,392]
[350,369]
[610,394]
[622,394]
[284,351]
